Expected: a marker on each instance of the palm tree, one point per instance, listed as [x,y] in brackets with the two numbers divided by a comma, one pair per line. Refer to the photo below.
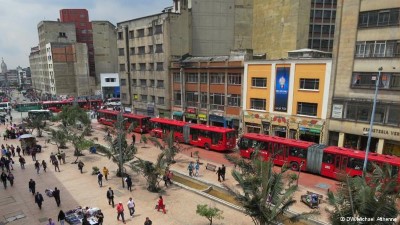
[59,137]
[170,147]
[151,171]
[372,197]
[262,194]
[79,142]
[37,122]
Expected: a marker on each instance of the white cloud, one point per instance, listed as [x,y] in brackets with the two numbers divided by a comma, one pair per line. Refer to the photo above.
[19,20]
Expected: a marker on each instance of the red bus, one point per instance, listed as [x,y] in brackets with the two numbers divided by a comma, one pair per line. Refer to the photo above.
[55,106]
[109,118]
[90,104]
[328,161]
[209,137]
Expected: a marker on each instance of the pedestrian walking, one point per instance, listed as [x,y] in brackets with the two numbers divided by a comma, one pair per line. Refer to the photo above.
[33,154]
[190,168]
[170,176]
[100,217]
[22,162]
[32,186]
[63,157]
[10,178]
[129,183]
[52,158]
[12,150]
[148,221]
[110,196]
[161,205]
[7,163]
[131,207]
[223,172]
[56,166]
[56,195]
[18,151]
[3,178]
[133,139]
[37,166]
[80,165]
[219,173]
[120,212]
[105,172]
[61,217]
[39,199]
[197,168]
[59,157]
[100,179]
[51,222]
[44,165]
[165,178]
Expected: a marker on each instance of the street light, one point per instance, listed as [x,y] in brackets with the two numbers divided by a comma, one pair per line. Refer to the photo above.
[371,123]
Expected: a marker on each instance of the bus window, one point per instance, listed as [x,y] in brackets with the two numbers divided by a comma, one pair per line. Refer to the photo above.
[356,164]
[216,137]
[195,134]
[328,158]
[245,143]
[297,152]
[230,135]
[395,171]
[263,146]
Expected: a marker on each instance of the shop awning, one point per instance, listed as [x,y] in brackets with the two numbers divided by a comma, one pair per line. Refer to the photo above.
[176,113]
[315,131]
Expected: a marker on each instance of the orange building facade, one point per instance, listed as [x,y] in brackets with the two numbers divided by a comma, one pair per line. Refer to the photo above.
[287,98]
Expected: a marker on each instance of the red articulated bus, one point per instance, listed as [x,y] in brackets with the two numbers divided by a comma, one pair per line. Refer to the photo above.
[90,104]
[55,106]
[328,161]
[109,118]
[209,137]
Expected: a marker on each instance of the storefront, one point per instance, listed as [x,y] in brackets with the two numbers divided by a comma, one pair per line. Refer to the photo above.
[176,115]
[150,110]
[216,120]
[252,128]
[266,126]
[191,115]
[164,113]
[309,134]
[279,131]
[202,118]
[141,112]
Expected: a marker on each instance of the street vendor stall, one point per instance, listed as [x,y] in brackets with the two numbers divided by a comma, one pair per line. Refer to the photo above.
[75,216]
[28,140]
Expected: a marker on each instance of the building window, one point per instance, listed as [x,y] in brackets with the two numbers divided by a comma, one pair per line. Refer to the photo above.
[177,77]
[375,49]
[143,83]
[191,78]
[143,98]
[131,34]
[131,51]
[160,84]
[379,18]
[120,36]
[394,115]
[217,99]
[259,82]
[150,31]
[159,48]
[151,66]
[123,97]
[368,80]
[192,97]
[123,82]
[152,98]
[234,78]
[161,101]
[62,34]
[140,33]
[158,29]
[142,66]
[133,67]
[203,78]
[134,82]
[258,103]
[152,83]
[151,50]
[108,80]
[234,100]
[121,67]
[217,78]
[141,50]
[121,52]
[309,109]
[203,100]
[177,98]
[160,66]
[309,84]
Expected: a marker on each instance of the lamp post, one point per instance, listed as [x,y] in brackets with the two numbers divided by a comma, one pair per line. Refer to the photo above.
[371,123]
[120,124]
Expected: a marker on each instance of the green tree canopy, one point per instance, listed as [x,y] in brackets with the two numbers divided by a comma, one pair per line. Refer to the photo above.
[36,123]
[209,212]
[71,115]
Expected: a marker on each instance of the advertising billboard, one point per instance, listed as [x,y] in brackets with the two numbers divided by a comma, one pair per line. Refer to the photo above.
[281,89]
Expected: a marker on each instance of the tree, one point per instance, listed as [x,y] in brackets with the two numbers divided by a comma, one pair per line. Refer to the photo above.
[262,194]
[209,212]
[151,171]
[372,197]
[79,142]
[73,116]
[37,122]
[169,146]
[59,137]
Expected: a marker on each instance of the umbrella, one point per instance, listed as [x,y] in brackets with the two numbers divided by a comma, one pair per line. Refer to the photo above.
[26,136]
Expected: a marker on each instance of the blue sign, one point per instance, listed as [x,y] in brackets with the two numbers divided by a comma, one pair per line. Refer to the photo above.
[281,89]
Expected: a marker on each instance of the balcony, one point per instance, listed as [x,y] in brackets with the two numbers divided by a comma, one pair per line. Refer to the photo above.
[217,107]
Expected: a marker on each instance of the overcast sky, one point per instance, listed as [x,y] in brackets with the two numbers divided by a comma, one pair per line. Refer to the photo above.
[19,19]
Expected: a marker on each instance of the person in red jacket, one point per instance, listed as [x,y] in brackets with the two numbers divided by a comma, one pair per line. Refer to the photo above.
[161,205]
[120,211]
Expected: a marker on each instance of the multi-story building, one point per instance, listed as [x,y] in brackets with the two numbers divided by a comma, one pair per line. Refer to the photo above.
[367,43]
[145,48]
[287,98]
[110,85]
[208,90]
[281,26]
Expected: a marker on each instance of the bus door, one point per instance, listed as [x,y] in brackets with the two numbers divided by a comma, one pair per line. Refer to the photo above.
[279,154]
[340,165]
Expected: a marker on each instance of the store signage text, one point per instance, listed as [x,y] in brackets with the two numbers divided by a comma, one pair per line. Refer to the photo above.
[380,131]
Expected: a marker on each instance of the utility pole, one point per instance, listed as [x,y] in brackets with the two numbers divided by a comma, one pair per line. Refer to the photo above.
[120,123]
